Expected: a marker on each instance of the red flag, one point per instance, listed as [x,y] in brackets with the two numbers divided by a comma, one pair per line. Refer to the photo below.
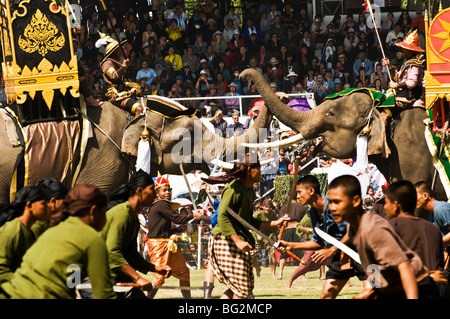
[365,5]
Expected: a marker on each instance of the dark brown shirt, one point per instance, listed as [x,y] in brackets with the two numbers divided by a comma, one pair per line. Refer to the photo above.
[296,212]
[422,237]
[161,217]
[379,245]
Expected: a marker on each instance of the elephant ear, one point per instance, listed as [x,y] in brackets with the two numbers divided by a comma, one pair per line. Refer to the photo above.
[377,142]
[130,139]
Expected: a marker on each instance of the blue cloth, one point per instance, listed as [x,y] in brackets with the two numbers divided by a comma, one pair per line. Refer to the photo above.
[441,216]
[327,224]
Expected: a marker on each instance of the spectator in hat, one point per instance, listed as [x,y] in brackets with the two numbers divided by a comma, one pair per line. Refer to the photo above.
[218,43]
[236,42]
[231,104]
[211,28]
[274,63]
[291,82]
[205,66]
[202,85]
[351,40]
[337,86]
[329,78]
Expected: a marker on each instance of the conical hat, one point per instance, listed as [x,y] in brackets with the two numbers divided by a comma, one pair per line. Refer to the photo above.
[110,44]
[411,42]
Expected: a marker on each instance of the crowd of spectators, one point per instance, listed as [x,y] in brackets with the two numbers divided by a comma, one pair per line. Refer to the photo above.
[200,54]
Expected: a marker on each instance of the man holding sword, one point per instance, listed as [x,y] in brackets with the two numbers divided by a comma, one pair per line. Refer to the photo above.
[341,267]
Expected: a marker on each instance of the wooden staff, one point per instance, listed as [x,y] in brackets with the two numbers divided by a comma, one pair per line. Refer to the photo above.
[114,30]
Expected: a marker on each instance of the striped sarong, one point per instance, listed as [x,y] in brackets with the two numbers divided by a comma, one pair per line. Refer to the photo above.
[231,266]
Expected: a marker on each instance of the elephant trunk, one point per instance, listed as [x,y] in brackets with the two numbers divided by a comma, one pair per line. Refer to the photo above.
[292,118]
[229,149]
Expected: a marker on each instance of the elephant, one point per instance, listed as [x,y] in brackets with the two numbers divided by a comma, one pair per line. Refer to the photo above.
[399,150]
[111,151]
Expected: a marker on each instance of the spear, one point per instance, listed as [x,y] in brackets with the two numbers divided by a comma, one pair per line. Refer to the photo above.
[368,7]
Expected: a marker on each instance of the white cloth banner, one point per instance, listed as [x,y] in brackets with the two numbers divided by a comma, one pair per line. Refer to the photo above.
[373,178]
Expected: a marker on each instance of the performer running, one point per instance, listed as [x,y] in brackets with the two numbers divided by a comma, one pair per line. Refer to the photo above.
[296,212]
[230,241]
[421,236]
[73,245]
[162,249]
[121,231]
[399,270]
[341,267]
[440,214]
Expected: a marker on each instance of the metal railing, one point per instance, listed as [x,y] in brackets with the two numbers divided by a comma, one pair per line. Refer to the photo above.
[242,97]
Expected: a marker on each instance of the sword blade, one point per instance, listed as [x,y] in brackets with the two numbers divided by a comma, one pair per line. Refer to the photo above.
[353,254]
[250,226]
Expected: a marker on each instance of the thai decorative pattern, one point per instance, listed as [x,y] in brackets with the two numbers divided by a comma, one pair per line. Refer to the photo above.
[41,35]
[37,50]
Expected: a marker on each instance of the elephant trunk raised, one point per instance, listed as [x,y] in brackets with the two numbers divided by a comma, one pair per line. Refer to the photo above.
[187,140]
[400,152]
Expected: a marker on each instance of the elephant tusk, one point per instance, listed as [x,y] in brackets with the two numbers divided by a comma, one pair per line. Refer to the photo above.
[285,142]
[227,165]
[266,161]
[222,164]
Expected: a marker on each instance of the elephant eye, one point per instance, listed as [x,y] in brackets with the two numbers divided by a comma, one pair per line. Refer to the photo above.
[329,113]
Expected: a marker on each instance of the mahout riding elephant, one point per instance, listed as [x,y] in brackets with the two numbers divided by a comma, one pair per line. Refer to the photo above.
[112,148]
[399,150]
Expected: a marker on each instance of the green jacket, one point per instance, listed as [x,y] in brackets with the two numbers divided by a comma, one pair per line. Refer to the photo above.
[120,234]
[62,256]
[15,239]
[240,200]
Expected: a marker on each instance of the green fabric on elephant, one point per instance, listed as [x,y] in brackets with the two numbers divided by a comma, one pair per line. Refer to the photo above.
[380,99]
